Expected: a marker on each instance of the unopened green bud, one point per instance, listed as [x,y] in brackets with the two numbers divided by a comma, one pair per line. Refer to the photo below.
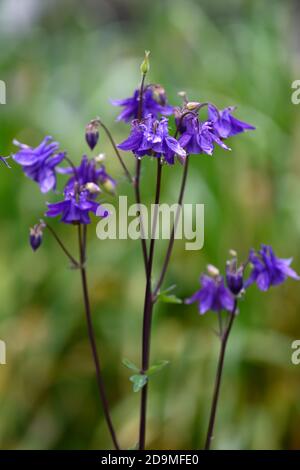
[145,65]
[109,186]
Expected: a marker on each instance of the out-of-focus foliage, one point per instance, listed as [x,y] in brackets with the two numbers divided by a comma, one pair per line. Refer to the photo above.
[62,61]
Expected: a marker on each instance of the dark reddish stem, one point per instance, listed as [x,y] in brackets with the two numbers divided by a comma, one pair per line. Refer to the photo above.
[92,338]
[138,201]
[224,338]
[111,139]
[147,316]
[138,177]
[74,262]
[172,238]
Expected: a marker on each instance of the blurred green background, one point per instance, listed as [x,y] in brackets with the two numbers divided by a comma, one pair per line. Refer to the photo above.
[62,61]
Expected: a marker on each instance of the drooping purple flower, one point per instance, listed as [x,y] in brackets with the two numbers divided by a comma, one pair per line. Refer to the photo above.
[92,133]
[36,235]
[268,270]
[76,206]
[234,276]
[225,124]
[213,295]
[39,163]
[198,137]
[3,160]
[88,172]
[154,102]
[151,137]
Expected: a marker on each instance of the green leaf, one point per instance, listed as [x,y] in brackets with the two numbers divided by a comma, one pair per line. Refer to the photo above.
[167,290]
[169,299]
[157,367]
[139,381]
[130,365]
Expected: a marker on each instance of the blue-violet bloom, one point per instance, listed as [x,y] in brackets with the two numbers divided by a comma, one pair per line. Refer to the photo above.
[199,137]
[225,124]
[268,270]
[154,102]
[39,163]
[88,172]
[77,204]
[213,295]
[151,137]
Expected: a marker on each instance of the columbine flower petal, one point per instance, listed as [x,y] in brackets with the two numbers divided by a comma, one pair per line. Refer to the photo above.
[39,163]
[151,136]
[154,103]
[225,124]
[268,270]
[199,137]
[88,172]
[213,295]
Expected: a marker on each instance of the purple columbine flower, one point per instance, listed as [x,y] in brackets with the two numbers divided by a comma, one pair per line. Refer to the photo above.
[88,172]
[36,235]
[234,275]
[225,124]
[213,295]
[77,204]
[151,137]
[39,163]
[198,137]
[92,133]
[268,270]
[154,102]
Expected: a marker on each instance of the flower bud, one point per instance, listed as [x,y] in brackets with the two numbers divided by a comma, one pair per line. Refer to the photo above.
[159,93]
[109,185]
[212,270]
[100,158]
[234,275]
[36,235]
[92,133]
[92,188]
[145,65]
[192,105]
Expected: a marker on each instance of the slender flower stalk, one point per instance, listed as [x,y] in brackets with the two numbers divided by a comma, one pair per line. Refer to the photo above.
[81,264]
[224,335]
[138,173]
[137,193]
[172,238]
[112,141]
[74,262]
[91,334]
[147,316]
